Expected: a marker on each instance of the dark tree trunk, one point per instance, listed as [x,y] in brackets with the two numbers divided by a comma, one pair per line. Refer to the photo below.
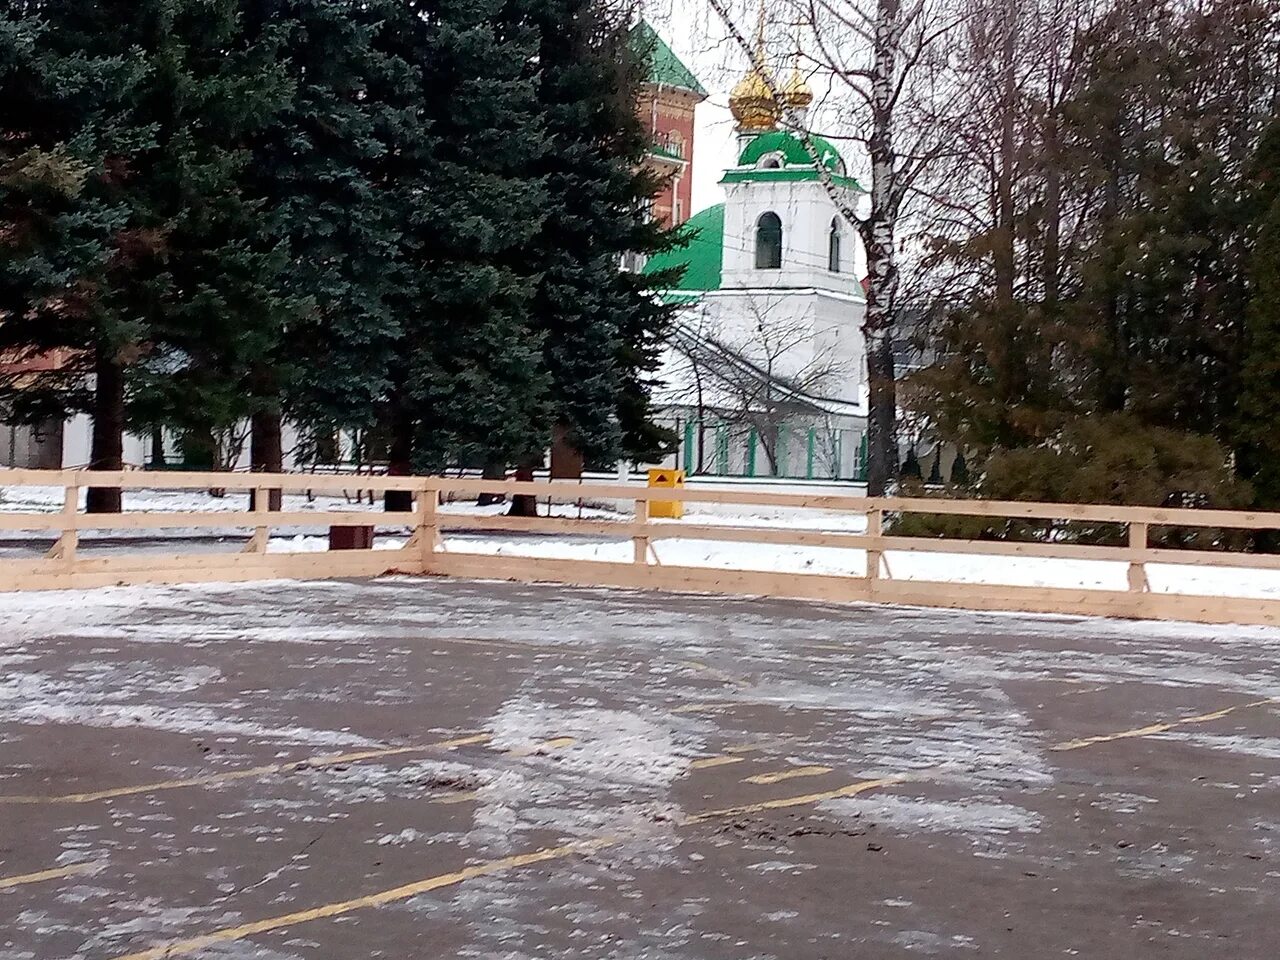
[157,448]
[493,470]
[882,433]
[107,445]
[399,461]
[266,453]
[566,459]
[523,504]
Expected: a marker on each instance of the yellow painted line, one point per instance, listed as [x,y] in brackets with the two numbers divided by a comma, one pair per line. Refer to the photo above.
[232,775]
[554,744]
[179,948]
[393,895]
[1161,727]
[701,707]
[791,774]
[458,798]
[851,790]
[748,748]
[707,762]
[54,874]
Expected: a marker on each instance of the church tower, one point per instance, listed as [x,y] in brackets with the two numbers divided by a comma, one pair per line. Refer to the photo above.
[781,228]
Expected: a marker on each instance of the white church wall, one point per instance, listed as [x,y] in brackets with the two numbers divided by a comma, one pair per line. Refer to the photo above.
[806,213]
[838,333]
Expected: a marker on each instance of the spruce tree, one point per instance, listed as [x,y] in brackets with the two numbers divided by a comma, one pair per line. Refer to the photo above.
[217,329]
[315,166]
[1258,429]
[67,138]
[603,328]
[180,294]
[466,379]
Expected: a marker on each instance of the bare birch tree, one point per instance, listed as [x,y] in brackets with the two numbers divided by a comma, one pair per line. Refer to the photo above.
[777,373]
[886,62]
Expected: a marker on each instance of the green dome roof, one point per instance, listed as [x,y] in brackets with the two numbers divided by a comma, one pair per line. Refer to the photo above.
[702,254]
[792,149]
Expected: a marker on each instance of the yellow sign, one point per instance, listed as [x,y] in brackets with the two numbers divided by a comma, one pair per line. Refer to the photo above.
[669,509]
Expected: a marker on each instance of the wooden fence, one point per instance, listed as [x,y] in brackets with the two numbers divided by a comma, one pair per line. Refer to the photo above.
[68,564]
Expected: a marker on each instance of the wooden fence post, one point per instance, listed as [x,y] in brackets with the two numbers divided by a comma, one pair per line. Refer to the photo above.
[1138,582]
[875,527]
[426,534]
[262,532]
[69,538]
[640,541]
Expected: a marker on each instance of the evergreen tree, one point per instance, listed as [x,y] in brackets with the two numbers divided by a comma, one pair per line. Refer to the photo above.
[1258,431]
[64,138]
[602,328]
[314,165]
[466,381]
[185,296]
[216,330]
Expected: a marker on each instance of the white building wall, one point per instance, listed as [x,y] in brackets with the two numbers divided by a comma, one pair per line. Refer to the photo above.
[806,213]
[76,441]
[77,444]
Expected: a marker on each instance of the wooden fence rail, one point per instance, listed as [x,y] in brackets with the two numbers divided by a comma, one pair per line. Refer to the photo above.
[66,564]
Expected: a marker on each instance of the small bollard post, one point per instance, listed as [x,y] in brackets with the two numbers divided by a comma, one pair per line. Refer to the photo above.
[640,540]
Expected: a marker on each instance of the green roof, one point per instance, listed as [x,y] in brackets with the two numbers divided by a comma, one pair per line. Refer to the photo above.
[701,254]
[792,149]
[665,68]
[787,176]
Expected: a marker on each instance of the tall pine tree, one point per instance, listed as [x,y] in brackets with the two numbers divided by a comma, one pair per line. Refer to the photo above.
[65,137]
[602,327]
[185,296]
[1258,430]
[315,166]
[466,381]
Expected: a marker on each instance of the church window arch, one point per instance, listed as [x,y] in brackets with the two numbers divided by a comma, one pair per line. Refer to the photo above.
[833,246]
[769,242]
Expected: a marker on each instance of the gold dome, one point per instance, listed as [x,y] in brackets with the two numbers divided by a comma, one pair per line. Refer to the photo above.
[795,92]
[752,103]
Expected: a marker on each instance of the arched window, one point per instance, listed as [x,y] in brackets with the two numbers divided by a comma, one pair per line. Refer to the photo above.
[768,242]
[833,246]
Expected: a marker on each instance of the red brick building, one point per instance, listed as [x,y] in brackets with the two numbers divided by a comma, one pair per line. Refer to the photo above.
[666,106]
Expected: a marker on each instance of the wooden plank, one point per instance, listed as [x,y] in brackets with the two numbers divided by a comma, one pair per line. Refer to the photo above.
[31,521]
[946,595]
[572,492]
[640,539]
[203,568]
[218,520]
[730,534]
[461,521]
[184,480]
[1155,516]
[875,555]
[1137,547]
[566,492]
